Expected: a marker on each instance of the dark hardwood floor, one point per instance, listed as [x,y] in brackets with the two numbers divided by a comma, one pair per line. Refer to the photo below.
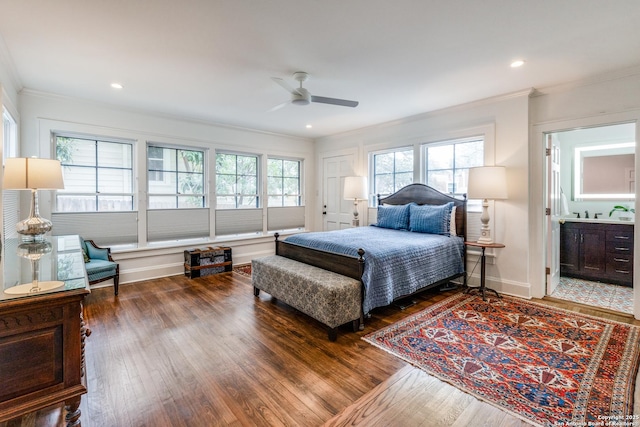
[206,352]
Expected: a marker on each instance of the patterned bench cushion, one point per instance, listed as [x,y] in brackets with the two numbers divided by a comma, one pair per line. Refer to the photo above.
[328,297]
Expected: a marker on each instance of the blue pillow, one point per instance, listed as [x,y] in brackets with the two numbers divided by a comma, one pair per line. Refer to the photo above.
[393,216]
[431,219]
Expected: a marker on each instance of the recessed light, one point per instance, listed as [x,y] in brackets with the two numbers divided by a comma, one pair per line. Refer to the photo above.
[116,86]
[309,126]
[517,63]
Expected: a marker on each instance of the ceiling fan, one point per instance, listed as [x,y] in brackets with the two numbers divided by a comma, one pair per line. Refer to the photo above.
[301,96]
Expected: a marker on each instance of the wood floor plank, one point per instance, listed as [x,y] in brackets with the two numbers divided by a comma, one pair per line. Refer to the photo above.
[206,352]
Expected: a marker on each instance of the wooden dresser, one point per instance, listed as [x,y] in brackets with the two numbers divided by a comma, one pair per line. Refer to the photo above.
[42,333]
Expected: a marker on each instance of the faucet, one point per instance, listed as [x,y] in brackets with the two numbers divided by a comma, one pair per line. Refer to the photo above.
[578,214]
[586,214]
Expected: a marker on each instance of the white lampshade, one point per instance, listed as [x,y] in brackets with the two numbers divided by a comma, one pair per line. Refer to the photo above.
[487,182]
[32,173]
[355,188]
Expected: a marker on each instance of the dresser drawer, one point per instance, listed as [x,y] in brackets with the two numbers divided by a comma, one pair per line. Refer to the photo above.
[620,247]
[619,236]
[620,267]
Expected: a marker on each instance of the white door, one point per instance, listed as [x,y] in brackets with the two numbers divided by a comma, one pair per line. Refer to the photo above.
[554,213]
[337,212]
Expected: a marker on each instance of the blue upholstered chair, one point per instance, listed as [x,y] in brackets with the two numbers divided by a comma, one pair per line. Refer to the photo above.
[99,264]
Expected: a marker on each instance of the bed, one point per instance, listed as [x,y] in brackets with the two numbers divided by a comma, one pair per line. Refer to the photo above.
[392,261]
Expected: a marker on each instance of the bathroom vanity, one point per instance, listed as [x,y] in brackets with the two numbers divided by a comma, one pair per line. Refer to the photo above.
[598,250]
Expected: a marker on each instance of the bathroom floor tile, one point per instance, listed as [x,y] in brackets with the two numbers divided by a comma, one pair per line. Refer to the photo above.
[605,295]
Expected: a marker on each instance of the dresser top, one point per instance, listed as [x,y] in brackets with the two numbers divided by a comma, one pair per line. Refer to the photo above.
[58,260]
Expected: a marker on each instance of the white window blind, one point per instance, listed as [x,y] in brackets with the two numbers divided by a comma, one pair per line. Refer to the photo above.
[177,224]
[473,226]
[105,228]
[238,221]
[11,212]
[285,218]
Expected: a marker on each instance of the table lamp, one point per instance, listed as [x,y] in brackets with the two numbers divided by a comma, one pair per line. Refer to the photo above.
[32,174]
[355,188]
[487,182]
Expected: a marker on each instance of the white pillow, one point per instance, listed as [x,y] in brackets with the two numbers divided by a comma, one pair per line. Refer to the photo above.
[452,223]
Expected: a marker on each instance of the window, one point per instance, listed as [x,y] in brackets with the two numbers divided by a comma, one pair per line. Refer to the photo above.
[448,163]
[155,160]
[98,175]
[392,170]
[10,199]
[10,134]
[236,181]
[175,178]
[283,182]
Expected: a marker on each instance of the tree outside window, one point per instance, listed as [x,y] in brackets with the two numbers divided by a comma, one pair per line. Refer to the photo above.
[236,181]
[175,178]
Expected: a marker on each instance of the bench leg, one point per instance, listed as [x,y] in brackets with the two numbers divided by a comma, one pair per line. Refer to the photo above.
[256,291]
[333,334]
[355,325]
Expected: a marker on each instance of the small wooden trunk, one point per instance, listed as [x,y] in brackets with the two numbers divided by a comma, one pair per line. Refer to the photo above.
[208,261]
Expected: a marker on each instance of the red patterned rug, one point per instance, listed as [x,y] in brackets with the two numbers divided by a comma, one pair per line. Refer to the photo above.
[244,269]
[544,365]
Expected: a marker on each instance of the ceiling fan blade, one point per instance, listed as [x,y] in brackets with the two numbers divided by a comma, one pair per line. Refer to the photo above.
[286,86]
[279,106]
[334,101]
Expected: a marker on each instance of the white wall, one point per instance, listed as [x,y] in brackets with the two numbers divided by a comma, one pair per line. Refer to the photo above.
[41,113]
[506,121]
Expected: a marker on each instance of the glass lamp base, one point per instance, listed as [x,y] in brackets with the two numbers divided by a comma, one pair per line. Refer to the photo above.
[33,229]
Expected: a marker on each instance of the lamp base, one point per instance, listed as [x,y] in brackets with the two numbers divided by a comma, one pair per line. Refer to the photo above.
[33,228]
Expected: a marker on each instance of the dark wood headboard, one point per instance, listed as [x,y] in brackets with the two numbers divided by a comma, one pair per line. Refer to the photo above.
[424,195]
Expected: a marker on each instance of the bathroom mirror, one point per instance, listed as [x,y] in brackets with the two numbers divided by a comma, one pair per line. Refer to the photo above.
[604,172]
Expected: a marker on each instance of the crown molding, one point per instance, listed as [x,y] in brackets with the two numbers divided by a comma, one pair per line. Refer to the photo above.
[588,81]
[428,114]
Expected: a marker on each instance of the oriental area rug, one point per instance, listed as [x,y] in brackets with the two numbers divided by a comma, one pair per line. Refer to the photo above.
[544,365]
[243,269]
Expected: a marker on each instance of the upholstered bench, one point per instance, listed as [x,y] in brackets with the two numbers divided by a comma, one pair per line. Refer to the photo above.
[328,297]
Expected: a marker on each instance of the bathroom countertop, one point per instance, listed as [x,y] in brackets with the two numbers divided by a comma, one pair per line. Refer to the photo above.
[598,220]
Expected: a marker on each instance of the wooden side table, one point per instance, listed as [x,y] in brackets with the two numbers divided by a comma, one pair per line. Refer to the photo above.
[483,261]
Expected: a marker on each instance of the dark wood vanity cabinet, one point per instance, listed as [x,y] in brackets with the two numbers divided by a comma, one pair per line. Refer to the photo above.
[597,251]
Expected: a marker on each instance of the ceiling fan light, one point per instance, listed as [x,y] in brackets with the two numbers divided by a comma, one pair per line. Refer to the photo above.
[301,98]
[299,101]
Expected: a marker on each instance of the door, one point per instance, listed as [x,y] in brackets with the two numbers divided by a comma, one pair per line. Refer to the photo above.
[553,213]
[337,212]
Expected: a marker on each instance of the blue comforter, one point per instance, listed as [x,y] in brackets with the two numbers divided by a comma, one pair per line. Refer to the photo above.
[397,263]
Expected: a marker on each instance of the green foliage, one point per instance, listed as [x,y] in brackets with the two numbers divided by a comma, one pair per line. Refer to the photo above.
[64,149]
[621,208]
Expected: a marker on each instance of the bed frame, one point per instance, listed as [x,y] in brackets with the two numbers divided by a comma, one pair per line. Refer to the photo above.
[354,266]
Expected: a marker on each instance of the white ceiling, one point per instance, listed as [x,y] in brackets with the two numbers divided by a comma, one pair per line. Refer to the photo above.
[212,59]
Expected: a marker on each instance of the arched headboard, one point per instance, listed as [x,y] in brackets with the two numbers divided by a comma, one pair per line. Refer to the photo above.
[424,195]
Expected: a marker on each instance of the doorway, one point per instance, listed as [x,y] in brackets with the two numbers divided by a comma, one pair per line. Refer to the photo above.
[591,215]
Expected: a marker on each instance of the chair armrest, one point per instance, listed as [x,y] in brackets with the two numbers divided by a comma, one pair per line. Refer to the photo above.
[96,252]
